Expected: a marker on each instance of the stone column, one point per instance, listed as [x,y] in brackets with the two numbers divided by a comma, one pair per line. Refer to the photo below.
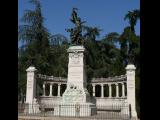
[117,90]
[31,84]
[130,72]
[44,91]
[93,85]
[102,91]
[110,90]
[123,90]
[50,93]
[59,88]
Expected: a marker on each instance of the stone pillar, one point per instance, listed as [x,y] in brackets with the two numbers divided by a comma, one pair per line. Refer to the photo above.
[59,88]
[31,85]
[102,91]
[44,91]
[117,90]
[50,93]
[130,72]
[123,90]
[94,90]
[110,90]
[31,91]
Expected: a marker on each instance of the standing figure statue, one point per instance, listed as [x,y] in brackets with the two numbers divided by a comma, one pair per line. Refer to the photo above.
[76,32]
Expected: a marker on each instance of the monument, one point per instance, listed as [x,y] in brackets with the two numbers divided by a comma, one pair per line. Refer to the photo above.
[76,93]
[76,100]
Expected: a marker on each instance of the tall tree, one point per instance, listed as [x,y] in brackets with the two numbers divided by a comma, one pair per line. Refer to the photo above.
[35,39]
[35,36]
[134,46]
[132,17]
[91,32]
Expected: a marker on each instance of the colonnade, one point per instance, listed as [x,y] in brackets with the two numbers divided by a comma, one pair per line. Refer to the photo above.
[128,86]
[50,90]
[93,89]
[110,89]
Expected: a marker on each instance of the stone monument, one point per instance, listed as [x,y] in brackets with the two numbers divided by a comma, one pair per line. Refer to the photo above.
[76,99]
[76,94]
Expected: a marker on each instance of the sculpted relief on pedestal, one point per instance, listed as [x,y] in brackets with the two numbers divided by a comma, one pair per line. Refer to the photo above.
[74,94]
[75,58]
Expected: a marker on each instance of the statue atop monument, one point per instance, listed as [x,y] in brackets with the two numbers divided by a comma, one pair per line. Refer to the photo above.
[76,32]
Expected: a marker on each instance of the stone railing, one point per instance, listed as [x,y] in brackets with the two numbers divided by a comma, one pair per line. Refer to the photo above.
[52,78]
[110,79]
[94,80]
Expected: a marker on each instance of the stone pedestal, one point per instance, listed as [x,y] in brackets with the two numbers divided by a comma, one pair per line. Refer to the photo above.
[76,92]
[76,110]
[32,108]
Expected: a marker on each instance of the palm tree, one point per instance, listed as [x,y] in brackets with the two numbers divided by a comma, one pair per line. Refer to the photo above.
[111,38]
[132,16]
[91,32]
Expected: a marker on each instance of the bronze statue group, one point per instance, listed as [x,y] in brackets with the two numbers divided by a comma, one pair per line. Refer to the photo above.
[76,32]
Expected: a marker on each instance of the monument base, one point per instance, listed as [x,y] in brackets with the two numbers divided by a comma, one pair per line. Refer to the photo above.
[76,102]
[32,108]
[134,114]
[76,110]
[76,95]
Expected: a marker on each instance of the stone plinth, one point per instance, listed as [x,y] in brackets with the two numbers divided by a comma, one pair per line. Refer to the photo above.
[76,92]
[79,110]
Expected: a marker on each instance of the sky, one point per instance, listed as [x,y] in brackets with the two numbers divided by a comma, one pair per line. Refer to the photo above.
[108,15]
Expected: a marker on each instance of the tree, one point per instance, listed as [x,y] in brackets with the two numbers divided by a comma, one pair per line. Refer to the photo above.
[58,39]
[91,33]
[35,38]
[132,17]
[134,46]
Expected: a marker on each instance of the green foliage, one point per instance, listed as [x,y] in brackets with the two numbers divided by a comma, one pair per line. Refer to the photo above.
[35,36]
[132,17]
